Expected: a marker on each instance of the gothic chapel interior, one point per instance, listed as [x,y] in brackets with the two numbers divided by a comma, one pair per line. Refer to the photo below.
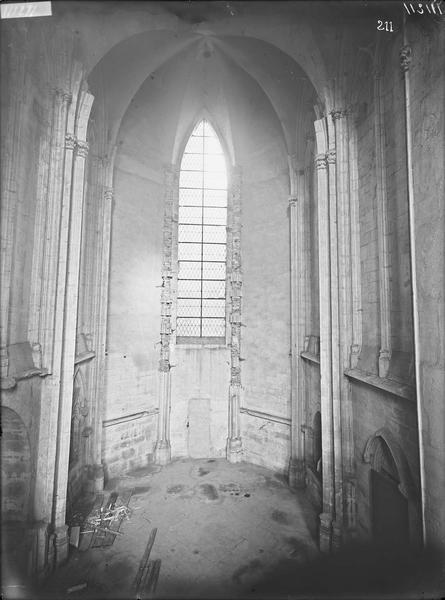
[223,244]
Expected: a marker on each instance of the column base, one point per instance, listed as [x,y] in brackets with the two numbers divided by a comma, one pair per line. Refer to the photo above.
[234,450]
[297,473]
[162,453]
[325,532]
[337,536]
[98,478]
[61,544]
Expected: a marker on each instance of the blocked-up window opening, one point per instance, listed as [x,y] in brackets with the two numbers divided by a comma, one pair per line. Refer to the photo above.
[202,237]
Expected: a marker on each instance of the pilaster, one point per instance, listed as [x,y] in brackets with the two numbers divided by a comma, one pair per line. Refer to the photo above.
[234,449]
[162,448]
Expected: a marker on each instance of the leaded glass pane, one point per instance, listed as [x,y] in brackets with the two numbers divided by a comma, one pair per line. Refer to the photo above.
[213,308]
[215,181]
[215,197]
[190,197]
[189,251]
[215,216]
[214,163]
[194,145]
[188,327]
[190,270]
[213,327]
[202,236]
[192,162]
[189,289]
[214,252]
[213,270]
[211,146]
[214,234]
[189,307]
[213,289]
[190,233]
[190,179]
[190,214]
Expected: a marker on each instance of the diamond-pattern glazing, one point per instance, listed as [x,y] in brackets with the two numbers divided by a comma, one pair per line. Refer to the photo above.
[213,327]
[202,236]
[213,270]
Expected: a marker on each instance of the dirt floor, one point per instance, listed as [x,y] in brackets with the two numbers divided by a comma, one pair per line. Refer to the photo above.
[219,530]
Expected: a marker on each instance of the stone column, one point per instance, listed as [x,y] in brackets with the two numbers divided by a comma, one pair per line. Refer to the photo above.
[354,217]
[70,324]
[382,231]
[50,319]
[234,449]
[100,324]
[326,517]
[297,473]
[337,368]
[162,448]
[345,503]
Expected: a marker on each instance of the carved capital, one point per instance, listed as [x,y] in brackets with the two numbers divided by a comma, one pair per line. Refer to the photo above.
[331,157]
[164,365]
[108,194]
[405,57]
[70,141]
[82,148]
[64,95]
[320,161]
[293,200]
[338,113]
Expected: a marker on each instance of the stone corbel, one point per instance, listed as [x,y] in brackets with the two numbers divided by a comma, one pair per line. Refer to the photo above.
[25,360]
[82,148]
[321,161]
[405,55]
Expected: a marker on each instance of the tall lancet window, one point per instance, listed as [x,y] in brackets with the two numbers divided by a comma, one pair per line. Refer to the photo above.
[202,238]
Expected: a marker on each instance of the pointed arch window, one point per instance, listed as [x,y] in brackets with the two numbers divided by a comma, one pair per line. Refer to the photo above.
[202,238]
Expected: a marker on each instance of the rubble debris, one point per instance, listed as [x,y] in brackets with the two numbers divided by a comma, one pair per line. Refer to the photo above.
[101,526]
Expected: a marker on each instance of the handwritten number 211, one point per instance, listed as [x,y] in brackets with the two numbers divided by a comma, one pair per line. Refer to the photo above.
[384,26]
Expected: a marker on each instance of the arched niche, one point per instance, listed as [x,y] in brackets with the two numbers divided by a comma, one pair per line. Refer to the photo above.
[391,488]
[16,467]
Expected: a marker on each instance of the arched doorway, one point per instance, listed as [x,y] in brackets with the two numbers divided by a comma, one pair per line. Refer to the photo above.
[389,507]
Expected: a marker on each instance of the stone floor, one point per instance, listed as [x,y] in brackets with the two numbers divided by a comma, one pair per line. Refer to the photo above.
[220,528]
[228,531]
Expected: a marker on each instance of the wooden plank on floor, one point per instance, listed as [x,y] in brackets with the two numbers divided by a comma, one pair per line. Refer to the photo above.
[152,580]
[143,565]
